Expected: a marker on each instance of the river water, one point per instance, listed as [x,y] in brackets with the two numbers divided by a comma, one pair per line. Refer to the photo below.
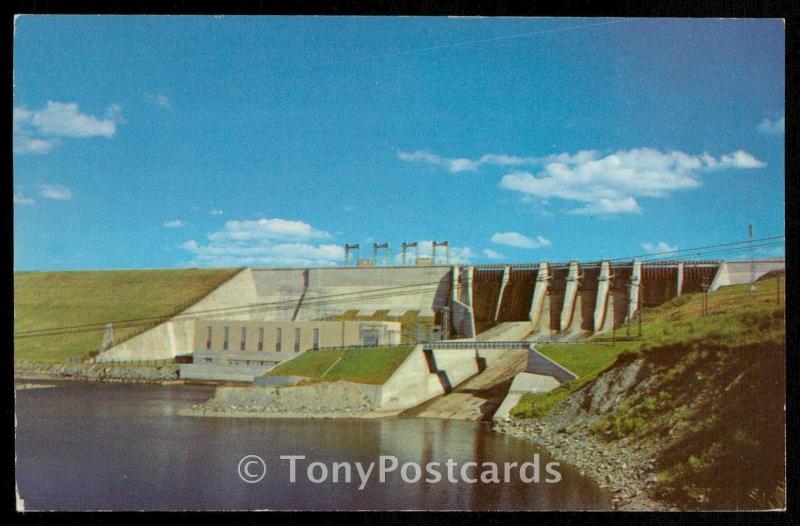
[101,446]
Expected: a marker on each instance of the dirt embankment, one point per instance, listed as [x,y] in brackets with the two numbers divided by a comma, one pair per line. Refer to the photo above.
[684,427]
[95,372]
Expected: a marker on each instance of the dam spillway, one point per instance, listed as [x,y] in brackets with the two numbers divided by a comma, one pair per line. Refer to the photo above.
[486,295]
[563,298]
[515,305]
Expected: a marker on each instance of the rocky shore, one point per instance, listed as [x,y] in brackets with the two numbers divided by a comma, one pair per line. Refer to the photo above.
[323,400]
[626,470]
[95,372]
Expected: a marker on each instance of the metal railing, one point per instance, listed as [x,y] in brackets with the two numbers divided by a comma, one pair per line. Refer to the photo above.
[344,347]
[475,345]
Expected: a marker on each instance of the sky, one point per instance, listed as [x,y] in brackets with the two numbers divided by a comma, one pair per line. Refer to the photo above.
[206,141]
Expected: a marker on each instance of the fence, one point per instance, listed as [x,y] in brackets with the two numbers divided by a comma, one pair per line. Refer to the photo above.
[345,347]
[466,344]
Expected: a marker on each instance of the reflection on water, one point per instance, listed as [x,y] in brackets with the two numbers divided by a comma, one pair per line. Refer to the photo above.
[124,447]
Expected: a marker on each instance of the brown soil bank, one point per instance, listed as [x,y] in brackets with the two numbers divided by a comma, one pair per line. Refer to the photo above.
[695,426]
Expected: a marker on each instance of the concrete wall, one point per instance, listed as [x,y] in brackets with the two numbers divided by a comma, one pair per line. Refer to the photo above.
[281,291]
[335,290]
[413,382]
[176,337]
[524,383]
[222,373]
[740,272]
[463,320]
[503,285]
[570,293]
[636,281]
[331,334]
[603,287]
[539,293]
[541,364]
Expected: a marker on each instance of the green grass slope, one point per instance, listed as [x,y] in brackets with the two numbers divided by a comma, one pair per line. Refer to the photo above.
[53,300]
[368,365]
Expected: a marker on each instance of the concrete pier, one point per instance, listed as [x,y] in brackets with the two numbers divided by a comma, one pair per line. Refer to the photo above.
[570,293]
[603,286]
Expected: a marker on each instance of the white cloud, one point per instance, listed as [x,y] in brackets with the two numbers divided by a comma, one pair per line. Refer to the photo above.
[770,127]
[267,229]
[265,242]
[610,184]
[609,206]
[65,120]
[175,223]
[22,200]
[159,99]
[216,212]
[55,191]
[38,131]
[659,247]
[514,239]
[491,254]
[738,159]
[455,165]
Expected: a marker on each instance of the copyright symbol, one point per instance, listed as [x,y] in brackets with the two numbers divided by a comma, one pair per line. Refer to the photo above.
[252,469]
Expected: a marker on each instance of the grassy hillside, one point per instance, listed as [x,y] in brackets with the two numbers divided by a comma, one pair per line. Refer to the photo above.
[52,300]
[705,394]
[361,365]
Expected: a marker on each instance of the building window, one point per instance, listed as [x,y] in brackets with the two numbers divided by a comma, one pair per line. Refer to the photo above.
[278,334]
[208,359]
[243,338]
[224,338]
[315,344]
[297,340]
[208,338]
[261,338]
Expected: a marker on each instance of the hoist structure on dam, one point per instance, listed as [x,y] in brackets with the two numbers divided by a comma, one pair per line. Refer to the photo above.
[557,299]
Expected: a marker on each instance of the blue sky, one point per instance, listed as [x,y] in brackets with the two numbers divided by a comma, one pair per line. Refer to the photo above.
[144,142]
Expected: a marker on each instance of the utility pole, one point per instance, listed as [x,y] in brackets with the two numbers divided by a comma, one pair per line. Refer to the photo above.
[628,317]
[704,287]
[639,309]
[348,249]
[613,329]
[752,260]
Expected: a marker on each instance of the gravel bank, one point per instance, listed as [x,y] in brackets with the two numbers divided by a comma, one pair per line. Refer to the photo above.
[322,400]
[626,470]
[96,372]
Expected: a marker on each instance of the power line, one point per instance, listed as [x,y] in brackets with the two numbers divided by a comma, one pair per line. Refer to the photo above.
[319,301]
[372,294]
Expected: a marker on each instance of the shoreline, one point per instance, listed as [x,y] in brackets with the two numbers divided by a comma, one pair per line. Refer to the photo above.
[626,472]
[96,373]
[288,415]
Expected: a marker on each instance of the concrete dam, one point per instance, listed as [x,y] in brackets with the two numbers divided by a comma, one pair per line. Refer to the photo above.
[556,300]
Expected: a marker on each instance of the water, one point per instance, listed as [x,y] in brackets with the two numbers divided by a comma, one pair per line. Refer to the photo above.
[90,446]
